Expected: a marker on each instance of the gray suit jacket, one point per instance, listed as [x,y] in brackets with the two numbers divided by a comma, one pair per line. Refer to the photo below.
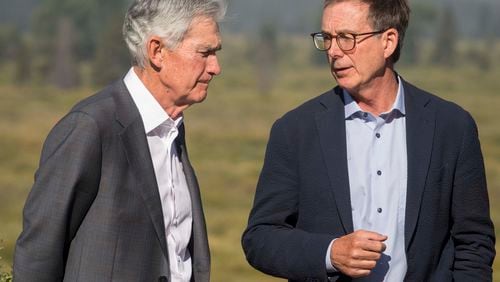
[94,212]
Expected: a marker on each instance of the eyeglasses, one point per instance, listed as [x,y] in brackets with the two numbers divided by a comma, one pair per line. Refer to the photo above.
[345,41]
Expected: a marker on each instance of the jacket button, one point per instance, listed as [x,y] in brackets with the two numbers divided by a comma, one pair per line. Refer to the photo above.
[162,279]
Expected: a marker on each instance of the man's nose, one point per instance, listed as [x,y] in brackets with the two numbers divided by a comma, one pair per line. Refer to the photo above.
[213,66]
[335,51]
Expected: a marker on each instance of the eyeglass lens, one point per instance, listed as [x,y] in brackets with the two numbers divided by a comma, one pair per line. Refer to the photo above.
[344,41]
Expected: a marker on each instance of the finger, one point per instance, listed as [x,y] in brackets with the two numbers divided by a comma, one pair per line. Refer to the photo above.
[370,245]
[356,268]
[360,254]
[374,246]
[362,264]
[370,235]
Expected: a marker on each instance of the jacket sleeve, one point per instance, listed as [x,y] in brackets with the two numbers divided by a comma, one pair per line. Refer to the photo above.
[472,230]
[271,242]
[65,186]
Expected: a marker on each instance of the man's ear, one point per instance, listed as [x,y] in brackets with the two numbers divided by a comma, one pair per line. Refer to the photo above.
[154,47]
[391,38]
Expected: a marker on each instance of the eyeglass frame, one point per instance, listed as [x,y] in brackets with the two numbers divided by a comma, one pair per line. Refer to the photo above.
[354,38]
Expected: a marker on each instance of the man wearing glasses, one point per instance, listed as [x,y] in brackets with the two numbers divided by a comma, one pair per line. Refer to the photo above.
[376,179]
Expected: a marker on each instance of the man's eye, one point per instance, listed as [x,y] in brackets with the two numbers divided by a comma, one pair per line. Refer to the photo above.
[206,53]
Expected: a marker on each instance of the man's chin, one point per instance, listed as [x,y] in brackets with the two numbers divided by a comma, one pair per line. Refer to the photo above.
[201,99]
[341,81]
[197,98]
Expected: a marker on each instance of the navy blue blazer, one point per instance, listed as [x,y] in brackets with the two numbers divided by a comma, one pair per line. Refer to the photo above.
[302,200]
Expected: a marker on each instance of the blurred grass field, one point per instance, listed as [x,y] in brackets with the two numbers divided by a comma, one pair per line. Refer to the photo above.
[226,138]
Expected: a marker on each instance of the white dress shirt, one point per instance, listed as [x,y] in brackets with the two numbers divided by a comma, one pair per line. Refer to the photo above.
[377,165]
[161,132]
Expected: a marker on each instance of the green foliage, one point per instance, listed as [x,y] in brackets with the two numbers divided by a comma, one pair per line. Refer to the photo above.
[4,276]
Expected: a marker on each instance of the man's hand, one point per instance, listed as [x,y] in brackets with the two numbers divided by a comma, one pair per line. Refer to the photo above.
[356,254]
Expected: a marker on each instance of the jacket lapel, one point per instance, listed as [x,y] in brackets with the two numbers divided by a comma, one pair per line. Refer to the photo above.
[139,159]
[199,248]
[420,124]
[331,129]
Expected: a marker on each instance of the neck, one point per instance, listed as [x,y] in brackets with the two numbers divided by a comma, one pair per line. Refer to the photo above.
[379,95]
[151,80]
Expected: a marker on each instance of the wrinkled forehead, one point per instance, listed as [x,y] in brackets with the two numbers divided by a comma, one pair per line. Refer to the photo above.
[203,32]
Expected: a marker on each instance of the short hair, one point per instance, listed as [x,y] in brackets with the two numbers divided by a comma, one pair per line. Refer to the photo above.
[168,19]
[386,14]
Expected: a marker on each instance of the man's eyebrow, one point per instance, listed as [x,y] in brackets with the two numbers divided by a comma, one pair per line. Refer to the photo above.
[338,32]
[215,49]
[208,48]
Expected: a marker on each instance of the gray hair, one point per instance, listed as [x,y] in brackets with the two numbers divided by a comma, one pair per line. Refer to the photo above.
[168,19]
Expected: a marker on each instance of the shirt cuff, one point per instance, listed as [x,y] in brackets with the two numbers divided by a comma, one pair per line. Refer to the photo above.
[329,266]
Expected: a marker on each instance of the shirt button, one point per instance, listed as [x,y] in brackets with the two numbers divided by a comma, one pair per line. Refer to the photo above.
[379,172]
[378,135]
[379,210]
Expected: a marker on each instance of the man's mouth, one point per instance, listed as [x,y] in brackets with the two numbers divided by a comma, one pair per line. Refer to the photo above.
[339,69]
[204,81]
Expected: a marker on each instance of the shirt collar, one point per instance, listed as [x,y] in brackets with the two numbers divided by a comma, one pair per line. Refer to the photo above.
[152,114]
[351,107]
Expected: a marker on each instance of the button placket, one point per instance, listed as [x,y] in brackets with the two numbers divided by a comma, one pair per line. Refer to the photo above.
[379,160]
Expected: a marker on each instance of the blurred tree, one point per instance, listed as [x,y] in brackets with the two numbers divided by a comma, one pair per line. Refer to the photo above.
[479,51]
[112,58]
[8,35]
[15,49]
[266,57]
[423,17]
[445,47]
[22,57]
[65,70]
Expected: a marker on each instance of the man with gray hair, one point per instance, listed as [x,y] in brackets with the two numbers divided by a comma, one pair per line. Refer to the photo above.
[115,197]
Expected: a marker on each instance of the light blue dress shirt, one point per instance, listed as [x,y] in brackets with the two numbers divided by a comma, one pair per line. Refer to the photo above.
[377,166]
